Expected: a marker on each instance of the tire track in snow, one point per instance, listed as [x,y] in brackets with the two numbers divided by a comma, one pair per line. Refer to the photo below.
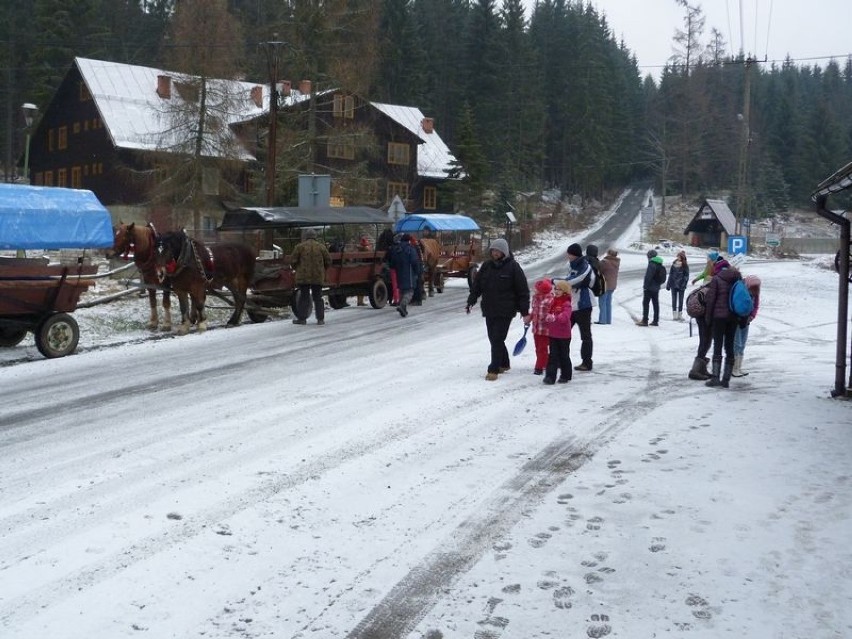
[411,598]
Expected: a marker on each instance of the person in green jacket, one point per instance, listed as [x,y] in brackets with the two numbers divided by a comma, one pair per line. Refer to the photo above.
[707,273]
[310,259]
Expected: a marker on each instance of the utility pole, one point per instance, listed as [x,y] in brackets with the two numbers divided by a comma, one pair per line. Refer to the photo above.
[745,143]
[272,50]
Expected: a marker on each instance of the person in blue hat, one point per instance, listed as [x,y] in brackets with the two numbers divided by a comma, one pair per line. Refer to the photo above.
[705,275]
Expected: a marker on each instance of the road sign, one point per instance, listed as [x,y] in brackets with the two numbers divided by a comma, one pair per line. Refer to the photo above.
[773,239]
[737,244]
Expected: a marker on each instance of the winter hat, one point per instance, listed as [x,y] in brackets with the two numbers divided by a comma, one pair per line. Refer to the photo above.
[564,286]
[544,286]
[612,252]
[652,253]
[592,250]
[719,265]
[713,255]
[500,245]
[575,250]
[310,234]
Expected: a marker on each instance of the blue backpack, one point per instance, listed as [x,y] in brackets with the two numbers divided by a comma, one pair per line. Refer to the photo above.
[740,301]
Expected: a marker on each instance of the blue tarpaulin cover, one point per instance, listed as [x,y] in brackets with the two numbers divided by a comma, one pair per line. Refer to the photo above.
[435,222]
[43,217]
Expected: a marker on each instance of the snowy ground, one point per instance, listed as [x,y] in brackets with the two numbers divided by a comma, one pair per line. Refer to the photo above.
[364,480]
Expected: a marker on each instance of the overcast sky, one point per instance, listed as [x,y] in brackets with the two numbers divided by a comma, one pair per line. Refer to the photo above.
[770,28]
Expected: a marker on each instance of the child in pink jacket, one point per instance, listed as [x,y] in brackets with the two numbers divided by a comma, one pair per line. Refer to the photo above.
[539,308]
[558,320]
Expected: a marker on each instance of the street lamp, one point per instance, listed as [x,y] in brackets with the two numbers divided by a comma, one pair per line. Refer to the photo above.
[30,112]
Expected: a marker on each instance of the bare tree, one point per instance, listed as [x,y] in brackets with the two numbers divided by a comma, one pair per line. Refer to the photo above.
[687,46]
[200,155]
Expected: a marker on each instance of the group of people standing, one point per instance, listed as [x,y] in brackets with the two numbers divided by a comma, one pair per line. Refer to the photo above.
[719,326]
[558,305]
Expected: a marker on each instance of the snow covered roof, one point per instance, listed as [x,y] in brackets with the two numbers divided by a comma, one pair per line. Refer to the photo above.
[434,158]
[137,117]
[718,209]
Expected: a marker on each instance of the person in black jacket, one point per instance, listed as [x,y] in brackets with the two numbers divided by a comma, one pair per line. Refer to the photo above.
[655,276]
[502,284]
[403,258]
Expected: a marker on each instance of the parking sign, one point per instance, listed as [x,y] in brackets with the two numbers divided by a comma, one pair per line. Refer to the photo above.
[737,244]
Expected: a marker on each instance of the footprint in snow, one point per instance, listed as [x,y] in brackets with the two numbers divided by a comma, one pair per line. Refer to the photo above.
[599,627]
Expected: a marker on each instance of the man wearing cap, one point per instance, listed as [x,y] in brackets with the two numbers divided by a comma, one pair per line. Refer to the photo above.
[582,302]
[502,284]
[655,276]
[310,259]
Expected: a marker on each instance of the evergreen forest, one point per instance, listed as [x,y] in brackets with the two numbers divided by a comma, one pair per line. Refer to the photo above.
[527,99]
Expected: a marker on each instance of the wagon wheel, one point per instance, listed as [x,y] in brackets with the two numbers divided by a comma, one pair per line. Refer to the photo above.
[837,262]
[378,293]
[438,282]
[57,335]
[10,336]
[337,300]
[258,317]
[471,274]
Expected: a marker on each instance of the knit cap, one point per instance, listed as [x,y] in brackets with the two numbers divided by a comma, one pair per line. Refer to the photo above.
[500,245]
[652,253]
[575,250]
[544,286]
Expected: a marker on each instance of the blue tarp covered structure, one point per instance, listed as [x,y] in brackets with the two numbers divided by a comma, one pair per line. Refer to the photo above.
[43,217]
[435,222]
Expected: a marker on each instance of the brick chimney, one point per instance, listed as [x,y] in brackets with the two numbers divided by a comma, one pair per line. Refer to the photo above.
[164,87]
[284,87]
[428,125]
[305,87]
[257,95]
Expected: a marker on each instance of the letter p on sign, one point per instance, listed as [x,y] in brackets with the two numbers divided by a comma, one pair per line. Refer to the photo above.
[737,244]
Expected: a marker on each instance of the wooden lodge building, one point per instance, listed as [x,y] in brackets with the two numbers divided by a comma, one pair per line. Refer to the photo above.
[116,129]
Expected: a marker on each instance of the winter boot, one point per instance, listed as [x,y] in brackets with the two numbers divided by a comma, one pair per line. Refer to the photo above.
[680,316]
[738,367]
[699,369]
[674,316]
[643,322]
[714,377]
[726,374]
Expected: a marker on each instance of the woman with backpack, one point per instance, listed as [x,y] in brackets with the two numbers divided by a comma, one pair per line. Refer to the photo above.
[722,321]
[676,283]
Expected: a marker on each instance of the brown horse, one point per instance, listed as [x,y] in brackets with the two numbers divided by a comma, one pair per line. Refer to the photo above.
[431,258]
[141,241]
[191,268]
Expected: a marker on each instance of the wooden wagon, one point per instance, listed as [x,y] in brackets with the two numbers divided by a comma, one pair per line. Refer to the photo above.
[352,272]
[35,295]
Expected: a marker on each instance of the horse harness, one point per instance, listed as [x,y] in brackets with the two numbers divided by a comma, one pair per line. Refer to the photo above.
[188,253]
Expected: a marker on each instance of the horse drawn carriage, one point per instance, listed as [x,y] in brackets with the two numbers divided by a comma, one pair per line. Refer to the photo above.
[35,295]
[452,246]
[352,272]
